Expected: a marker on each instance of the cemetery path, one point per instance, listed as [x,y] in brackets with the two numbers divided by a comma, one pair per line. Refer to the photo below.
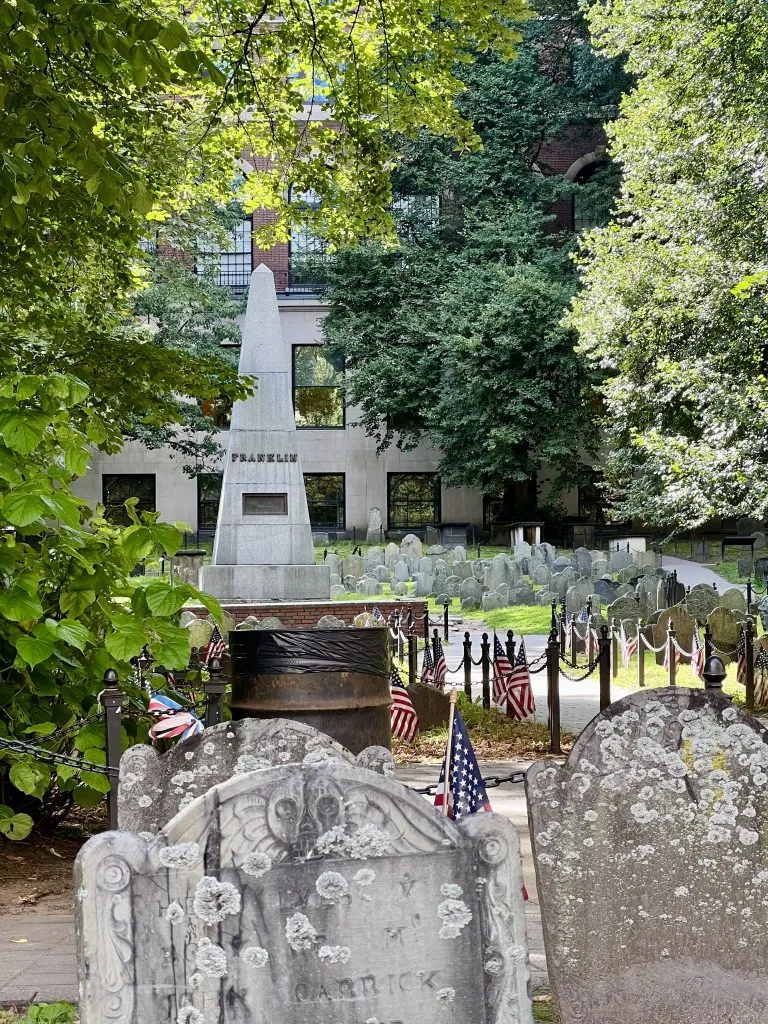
[692,573]
[579,701]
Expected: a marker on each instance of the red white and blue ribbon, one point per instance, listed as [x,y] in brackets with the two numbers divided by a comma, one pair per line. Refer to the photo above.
[173,721]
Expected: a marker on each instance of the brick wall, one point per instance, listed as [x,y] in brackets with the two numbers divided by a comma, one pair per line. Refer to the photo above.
[304,614]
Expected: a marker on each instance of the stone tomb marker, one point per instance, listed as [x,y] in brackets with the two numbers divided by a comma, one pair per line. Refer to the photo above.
[651,853]
[304,895]
[154,787]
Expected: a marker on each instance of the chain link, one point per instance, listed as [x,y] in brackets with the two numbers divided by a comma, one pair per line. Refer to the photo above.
[49,757]
[578,679]
[490,783]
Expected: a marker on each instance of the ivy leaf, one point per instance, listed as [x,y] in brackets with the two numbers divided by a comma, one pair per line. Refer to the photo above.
[164,599]
[14,826]
[31,778]
[23,431]
[34,649]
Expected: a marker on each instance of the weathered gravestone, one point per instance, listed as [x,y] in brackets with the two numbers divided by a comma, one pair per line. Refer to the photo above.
[701,600]
[353,565]
[411,545]
[604,590]
[734,599]
[375,529]
[651,852]
[470,593]
[683,625]
[154,787]
[522,550]
[374,557]
[309,895]
[725,629]
[577,596]
[623,608]
[582,561]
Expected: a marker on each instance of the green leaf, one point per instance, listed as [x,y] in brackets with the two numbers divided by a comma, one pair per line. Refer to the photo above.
[23,507]
[167,537]
[189,61]
[136,542]
[31,778]
[164,599]
[23,430]
[210,603]
[34,649]
[87,796]
[42,728]
[75,602]
[14,826]
[173,649]
[96,781]
[28,386]
[19,606]
[127,641]
[172,35]
[91,736]
[74,633]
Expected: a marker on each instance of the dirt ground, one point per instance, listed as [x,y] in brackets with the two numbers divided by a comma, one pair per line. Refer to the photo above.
[36,874]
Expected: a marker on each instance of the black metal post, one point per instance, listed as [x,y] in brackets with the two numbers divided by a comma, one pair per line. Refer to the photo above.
[112,702]
[214,689]
[426,623]
[604,659]
[467,665]
[485,648]
[573,642]
[640,654]
[707,643]
[445,623]
[553,620]
[749,653]
[413,654]
[562,626]
[714,674]
[671,659]
[553,692]
[614,649]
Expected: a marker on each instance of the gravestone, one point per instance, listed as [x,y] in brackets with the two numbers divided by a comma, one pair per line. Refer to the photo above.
[625,590]
[733,599]
[306,894]
[663,797]
[370,588]
[745,566]
[759,541]
[629,574]
[582,561]
[391,554]
[760,568]
[424,583]
[522,550]
[701,600]
[330,622]
[470,593]
[604,590]
[426,564]
[199,632]
[432,707]
[647,595]
[333,562]
[478,569]
[561,563]
[620,560]
[490,602]
[463,570]
[498,571]
[600,566]
[382,574]
[373,558]
[542,575]
[545,597]
[353,565]
[411,545]
[336,580]
[337,591]
[459,553]
[154,787]
[560,583]
[399,589]
[522,595]
[375,526]
[577,596]
[682,623]
[623,608]
[402,572]
[350,582]
[725,629]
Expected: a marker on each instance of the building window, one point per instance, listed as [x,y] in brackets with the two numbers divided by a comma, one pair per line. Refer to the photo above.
[591,499]
[414,212]
[307,251]
[413,500]
[325,500]
[598,183]
[208,494]
[318,387]
[117,489]
[232,266]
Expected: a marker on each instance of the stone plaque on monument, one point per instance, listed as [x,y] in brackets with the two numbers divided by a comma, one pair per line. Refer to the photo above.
[310,895]
[651,852]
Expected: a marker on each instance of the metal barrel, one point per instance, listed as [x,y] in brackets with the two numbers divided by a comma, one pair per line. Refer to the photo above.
[336,680]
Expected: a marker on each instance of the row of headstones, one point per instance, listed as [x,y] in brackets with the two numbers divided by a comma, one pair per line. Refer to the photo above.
[320,890]
[485,583]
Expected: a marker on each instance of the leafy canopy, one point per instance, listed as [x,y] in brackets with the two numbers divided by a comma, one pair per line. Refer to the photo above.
[456,334]
[673,307]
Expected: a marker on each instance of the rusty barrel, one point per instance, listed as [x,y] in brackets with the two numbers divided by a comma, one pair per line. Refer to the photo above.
[336,680]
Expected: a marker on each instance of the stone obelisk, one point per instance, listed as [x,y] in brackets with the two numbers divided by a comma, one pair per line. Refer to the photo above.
[263,547]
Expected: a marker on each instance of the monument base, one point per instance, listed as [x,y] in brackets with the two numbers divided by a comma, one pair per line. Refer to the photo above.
[267,582]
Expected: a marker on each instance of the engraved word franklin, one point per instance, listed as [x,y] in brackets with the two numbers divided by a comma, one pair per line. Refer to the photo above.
[263,457]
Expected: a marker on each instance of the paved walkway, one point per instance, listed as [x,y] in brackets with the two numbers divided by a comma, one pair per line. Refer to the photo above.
[691,573]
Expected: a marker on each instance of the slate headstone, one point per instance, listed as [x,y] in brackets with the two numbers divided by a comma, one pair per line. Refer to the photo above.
[522,550]
[470,590]
[664,795]
[542,575]
[620,560]
[604,590]
[154,787]
[576,597]
[353,565]
[600,566]
[490,602]
[411,545]
[306,894]
[370,588]
[545,597]
[522,595]
[375,526]
[701,600]
[459,553]
[561,562]
[399,589]
[373,557]
[733,599]
[424,584]
[725,629]
[745,566]
[623,608]
[463,570]
[683,625]
[582,561]
[338,591]
[383,574]
[760,568]
[402,572]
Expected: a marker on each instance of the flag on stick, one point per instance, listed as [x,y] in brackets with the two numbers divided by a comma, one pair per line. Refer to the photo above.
[628,646]
[428,666]
[502,670]
[761,678]
[217,645]
[741,663]
[441,666]
[461,789]
[402,714]
[519,690]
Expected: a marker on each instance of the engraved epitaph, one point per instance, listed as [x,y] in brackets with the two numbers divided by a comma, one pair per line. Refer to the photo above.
[305,895]
[651,853]
[263,547]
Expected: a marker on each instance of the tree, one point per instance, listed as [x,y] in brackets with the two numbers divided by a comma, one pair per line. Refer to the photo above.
[456,334]
[673,309]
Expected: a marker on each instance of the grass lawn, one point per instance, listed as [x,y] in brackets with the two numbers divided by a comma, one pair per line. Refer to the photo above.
[656,676]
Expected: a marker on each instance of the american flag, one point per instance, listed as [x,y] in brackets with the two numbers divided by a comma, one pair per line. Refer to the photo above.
[741,664]
[377,614]
[761,678]
[628,646]
[502,670]
[428,667]
[697,654]
[441,666]
[216,646]
[172,720]
[519,689]
[583,617]
[465,789]
[675,652]
[402,714]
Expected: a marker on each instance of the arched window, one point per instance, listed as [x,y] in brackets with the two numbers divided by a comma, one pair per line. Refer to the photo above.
[414,500]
